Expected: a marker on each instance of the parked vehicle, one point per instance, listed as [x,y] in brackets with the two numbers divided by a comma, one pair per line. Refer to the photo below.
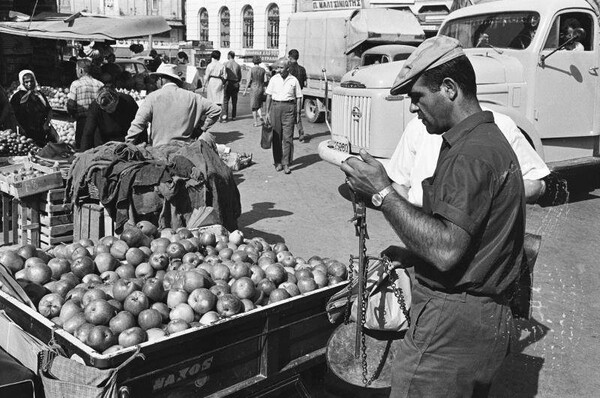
[550,92]
[331,43]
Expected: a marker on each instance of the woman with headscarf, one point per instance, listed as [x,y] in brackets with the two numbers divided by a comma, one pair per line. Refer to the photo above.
[32,110]
[109,118]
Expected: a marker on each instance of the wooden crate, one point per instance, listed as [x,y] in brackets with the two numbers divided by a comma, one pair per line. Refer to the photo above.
[48,220]
[34,185]
[91,221]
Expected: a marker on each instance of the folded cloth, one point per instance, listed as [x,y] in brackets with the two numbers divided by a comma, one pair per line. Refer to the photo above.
[57,151]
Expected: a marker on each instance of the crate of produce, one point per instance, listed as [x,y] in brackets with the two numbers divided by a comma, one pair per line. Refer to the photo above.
[22,180]
[45,220]
[91,221]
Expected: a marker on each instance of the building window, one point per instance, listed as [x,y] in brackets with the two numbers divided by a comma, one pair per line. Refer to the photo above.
[203,24]
[225,28]
[273,26]
[248,28]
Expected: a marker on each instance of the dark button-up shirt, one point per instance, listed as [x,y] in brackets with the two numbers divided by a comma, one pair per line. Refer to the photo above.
[477,185]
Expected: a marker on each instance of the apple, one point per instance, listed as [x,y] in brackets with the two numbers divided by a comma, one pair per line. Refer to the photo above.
[91,295]
[136,302]
[92,279]
[248,305]
[105,262]
[156,334]
[122,321]
[69,308]
[276,273]
[101,337]
[159,245]
[220,271]
[288,260]
[79,252]
[257,274]
[266,286]
[193,280]
[320,267]
[11,260]
[225,253]
[186,266]
[208,239]
[59,266]
[102,249]
[123,288]
[147,228]
[306,285]
[83,266]
[112,349]
[149,318]
[191,258]
[321,278]
[135,256]
[303,273]
[279,247]
[240,270]
[153,289]
[109,276]
[99,312]
[50,305]
[71,278]
[38,273]
[202,300]
[243,288]
[133,236]
[74,322]
[314,260]
[228,305]
[27,251]
[108,240]
[158,260]
[83,331]
[62,287]
[336,268]
[132,336]
[176,297]
[163,309]
[239,256]
[177,325]
[125,271]
[144,270]
[278,295]
[182,311]
[175,250]
[290,287]
[76,293]
[117,305]
[118,249]
[264,262]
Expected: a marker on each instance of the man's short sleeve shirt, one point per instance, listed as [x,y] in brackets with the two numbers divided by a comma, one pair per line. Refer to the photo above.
[284,90]
[84,91]
[477,185]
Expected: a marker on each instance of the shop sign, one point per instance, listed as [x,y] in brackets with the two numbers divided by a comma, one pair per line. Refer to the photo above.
[265,55]
[335,4]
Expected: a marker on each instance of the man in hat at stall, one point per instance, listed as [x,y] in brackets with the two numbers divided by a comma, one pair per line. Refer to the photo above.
[468,236]
[175,113]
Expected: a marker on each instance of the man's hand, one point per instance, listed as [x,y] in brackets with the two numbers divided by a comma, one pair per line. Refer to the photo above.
[367,176]
[267,118]
[400,257]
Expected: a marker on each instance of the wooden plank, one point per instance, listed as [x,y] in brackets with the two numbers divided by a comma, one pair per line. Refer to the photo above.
[35,185]
[49,208]
[50,220]
[57,230]
[55,195]
[6,207]
[51,241]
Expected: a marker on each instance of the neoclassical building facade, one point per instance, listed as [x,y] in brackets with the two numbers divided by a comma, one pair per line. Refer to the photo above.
[248,27]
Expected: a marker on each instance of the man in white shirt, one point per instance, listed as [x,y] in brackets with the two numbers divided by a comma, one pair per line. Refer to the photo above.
[284,102]
[417,153]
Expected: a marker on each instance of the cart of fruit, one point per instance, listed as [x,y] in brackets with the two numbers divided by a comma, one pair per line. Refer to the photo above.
[214,313]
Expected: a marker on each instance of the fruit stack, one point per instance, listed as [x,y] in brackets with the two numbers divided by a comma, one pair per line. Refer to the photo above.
[65,130]
[15,144]
[137,95]
[146,285]
[56,96]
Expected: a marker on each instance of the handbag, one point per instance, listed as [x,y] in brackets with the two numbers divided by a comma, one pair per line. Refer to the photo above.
[386,318]
[266,137]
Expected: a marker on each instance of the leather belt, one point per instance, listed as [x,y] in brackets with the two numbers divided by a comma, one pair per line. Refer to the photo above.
[286,102]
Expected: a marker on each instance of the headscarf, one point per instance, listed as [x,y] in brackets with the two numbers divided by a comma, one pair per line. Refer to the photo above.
[36,90]
[107,99]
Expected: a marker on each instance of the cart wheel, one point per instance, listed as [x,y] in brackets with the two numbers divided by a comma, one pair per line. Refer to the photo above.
[311,111]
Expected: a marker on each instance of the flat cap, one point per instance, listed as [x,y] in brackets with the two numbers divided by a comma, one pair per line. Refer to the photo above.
[433,52]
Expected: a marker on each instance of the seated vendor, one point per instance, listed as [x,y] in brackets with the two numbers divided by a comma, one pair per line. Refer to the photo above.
[175,113]
[109,117]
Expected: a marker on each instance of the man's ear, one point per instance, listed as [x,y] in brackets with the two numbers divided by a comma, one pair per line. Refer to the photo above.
[450,88]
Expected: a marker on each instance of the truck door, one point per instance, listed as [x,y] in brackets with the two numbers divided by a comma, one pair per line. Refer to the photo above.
[566,82]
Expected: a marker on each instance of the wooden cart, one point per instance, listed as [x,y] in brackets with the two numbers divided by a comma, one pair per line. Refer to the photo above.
[257,353]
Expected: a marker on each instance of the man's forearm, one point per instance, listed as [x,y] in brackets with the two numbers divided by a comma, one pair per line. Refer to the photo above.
[440,243]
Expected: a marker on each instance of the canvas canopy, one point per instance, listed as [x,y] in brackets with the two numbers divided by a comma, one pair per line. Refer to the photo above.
[84,27]
[380,25]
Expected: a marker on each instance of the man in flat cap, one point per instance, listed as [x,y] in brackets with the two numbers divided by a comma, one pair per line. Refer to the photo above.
[174,112]
[468,236]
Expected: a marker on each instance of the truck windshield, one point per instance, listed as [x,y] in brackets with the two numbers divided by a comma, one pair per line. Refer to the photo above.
[503,30]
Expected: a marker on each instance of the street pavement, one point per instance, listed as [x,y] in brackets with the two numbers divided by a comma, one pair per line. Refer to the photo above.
[558,350]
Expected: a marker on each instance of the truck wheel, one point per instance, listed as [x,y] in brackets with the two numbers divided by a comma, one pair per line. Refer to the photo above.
[311,111]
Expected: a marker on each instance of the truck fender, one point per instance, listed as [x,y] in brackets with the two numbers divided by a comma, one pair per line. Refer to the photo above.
[526,127]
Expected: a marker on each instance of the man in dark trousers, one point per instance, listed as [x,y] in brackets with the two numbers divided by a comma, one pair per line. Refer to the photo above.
[232,86]
[299,73]
[468,236]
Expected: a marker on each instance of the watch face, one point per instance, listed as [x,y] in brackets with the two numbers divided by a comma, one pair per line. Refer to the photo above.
[377,199]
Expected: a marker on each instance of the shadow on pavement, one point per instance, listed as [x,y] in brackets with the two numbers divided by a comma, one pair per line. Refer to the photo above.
[310,137]
[305,161]
[270,238]
[225,138]
[260,211]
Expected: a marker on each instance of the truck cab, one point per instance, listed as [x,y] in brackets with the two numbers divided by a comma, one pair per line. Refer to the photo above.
[536,61]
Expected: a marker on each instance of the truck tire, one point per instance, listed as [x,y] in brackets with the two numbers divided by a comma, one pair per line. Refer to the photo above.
[312,112]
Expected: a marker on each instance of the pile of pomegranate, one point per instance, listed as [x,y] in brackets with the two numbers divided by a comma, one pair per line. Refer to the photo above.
[148,284]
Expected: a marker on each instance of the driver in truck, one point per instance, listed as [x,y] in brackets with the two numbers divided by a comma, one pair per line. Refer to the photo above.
[468,237]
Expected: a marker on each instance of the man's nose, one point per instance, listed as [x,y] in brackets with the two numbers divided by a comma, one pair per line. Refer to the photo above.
[413,108]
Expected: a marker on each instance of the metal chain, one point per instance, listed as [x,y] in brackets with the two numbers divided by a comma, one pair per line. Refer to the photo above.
[397,290]
[349,287]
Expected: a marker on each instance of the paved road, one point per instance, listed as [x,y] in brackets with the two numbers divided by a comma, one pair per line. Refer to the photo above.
[559,349]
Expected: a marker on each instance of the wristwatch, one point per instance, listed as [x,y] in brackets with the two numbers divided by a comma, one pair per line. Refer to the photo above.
[377,199]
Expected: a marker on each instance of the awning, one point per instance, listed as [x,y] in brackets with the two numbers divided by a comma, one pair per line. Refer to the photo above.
[381,25]
[86,27]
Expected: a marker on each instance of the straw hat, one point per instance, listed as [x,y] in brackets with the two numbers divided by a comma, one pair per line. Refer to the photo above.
[170,71]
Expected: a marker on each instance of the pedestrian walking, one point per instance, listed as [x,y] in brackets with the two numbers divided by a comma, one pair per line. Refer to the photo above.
[284,99]
[468,237]
[256,82]
[299,73]
[214,79]
[82,93]
[232,86]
